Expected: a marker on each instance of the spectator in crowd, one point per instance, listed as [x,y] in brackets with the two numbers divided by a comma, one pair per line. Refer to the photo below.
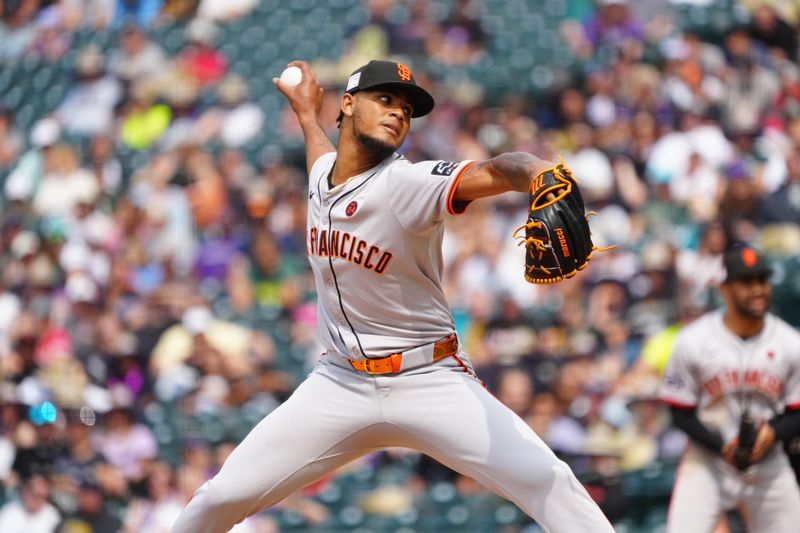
[64,184]
[159,506]
[137,58]
[236,120]
[24,180]
[200,60]
[225,10]
[127,444]
[515,389]
[613,24]
[105,166]
[141,12]
[11,139]
[88,108]
[17,29]
[91,14]
[167,215]
[51,41]
[767,27]
[208,343]
[783,205]
[92,513]
[33,512]
[459,39]
[144,119]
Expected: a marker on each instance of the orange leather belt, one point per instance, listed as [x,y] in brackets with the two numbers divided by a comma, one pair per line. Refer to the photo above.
[392,364]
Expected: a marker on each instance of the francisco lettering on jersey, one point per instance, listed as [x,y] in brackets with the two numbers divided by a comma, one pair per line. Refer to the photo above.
[444,168]
[752,380]
[345,246]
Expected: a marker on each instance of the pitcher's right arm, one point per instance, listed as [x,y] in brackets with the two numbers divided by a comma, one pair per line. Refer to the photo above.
[306,102]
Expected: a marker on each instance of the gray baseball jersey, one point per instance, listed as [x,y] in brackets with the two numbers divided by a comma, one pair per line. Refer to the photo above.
[721,374]
[375,245]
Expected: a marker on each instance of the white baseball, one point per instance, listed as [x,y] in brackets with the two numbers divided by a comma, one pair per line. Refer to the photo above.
[291,76]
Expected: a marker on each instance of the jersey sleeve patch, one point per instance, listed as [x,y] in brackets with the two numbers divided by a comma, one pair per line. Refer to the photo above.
[444,168]
[679,386]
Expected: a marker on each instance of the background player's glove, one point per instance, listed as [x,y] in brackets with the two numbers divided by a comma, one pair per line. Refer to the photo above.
[557,238]
[748,431]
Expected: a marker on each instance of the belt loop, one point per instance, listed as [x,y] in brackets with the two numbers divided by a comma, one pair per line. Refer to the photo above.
[397,362]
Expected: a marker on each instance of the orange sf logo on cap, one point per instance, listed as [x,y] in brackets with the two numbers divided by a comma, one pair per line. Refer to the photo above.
[749,257]
[404,72]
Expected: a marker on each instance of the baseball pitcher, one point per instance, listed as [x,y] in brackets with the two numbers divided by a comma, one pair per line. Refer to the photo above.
[393,372]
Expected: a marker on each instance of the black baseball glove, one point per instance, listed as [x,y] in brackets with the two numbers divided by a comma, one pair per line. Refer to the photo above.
[557,235]
[748,432]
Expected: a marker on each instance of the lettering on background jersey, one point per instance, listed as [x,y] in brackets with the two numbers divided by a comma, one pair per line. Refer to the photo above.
[732,381]
[343,245]
[444,168]
[674,380]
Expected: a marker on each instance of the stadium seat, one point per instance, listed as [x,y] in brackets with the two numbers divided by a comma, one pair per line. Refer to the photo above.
[174,38]
[277,21]
[331,494]
[29,65]
[242,66]
[306,48]
[316,19]
[786,289]
[43,78]
[14,96]
[507,514]
[230,49]
[351,516]
[442,492]
[266,6]
[492,24]
[252,37]
[6,79]
[26,115]
[303,6]
[343,4]
[164,433]
[555,9]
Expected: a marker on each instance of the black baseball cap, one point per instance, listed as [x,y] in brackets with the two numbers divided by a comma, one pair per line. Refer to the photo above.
[744,262]
[390,74]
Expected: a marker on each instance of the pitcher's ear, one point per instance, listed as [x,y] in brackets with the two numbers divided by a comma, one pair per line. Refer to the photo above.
[347,104]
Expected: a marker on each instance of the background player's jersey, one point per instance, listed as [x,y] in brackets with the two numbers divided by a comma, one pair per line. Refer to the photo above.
[719,373]
[374,243]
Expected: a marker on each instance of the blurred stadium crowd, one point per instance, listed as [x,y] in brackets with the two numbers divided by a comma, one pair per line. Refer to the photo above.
[155,301]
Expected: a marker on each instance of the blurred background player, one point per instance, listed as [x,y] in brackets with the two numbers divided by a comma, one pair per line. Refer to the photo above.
[739,362]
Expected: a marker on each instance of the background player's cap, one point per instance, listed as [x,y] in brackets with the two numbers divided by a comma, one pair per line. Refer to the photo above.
[744,262]
[388,73]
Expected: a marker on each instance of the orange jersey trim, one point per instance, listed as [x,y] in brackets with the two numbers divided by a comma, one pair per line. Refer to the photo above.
[453,186]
